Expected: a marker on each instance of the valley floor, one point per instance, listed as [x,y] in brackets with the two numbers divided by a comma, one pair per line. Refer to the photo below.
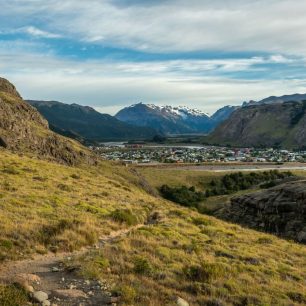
[46,207]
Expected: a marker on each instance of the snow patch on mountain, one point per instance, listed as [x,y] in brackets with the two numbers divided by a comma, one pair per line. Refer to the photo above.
[183,111]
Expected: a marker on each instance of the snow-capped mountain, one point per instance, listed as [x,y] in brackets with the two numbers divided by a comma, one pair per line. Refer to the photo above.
[183,111]
[167,119]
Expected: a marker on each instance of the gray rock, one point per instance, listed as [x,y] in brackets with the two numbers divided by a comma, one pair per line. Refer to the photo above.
[301,237]
[69,294]
[181,302]
[46,303]
[40,296]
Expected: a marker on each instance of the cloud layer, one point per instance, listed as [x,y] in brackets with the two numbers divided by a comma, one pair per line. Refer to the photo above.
[201,53]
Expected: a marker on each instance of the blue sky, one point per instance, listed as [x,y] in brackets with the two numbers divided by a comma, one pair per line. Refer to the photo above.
[112,53]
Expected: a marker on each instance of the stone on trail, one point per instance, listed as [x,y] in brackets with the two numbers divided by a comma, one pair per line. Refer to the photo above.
[40,296]
[69,293]
[181,302]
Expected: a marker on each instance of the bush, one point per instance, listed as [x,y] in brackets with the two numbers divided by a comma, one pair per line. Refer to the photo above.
[231,183]
[64,187]
[10,170]
[201,221]
[206,272]
[6,244]
[264,240]
[124,216]
[128,294]
[182,195]
[142,266]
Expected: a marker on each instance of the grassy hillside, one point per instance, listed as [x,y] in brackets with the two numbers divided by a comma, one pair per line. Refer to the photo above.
[45,206]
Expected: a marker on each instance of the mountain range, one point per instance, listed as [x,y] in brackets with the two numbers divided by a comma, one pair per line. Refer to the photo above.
[277,100]
[86,124]
[173,120]
[271,122]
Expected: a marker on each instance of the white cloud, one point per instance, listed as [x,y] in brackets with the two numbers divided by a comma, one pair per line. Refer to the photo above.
[110,86]
[38,33]
[275,26]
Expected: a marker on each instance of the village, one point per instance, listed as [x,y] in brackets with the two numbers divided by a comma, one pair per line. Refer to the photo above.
[143,154]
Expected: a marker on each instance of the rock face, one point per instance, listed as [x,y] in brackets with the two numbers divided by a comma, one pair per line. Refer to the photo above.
[24,130]
[266,125]
[280,210]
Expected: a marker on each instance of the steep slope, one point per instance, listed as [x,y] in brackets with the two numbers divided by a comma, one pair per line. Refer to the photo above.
[176,253]
[279,125]
[86,124]
[222,114]
[166,119]
[279,210]
[22,129]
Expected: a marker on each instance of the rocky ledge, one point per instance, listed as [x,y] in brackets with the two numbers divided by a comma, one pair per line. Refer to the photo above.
[280,210]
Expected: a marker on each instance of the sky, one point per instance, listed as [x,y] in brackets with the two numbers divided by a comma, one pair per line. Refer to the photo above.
[113,53]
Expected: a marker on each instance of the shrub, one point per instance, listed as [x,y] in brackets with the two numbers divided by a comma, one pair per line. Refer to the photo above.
[182,195]
[297,297]
[234,182]
[64,187]
[206,272]
[124,216]
[7,244]
[201,221]
[264,240]
[142,266]
[10,170]
[128,294]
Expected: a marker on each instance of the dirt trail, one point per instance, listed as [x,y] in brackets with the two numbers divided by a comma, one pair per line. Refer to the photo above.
[53,276]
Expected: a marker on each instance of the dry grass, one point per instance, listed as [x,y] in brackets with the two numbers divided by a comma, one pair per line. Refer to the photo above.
[47,206]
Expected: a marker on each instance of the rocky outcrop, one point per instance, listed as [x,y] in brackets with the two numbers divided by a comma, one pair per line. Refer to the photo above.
[280,210]
[7,87]
[24,130]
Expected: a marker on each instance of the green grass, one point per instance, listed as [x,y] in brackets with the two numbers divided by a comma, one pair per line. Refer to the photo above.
[184,253]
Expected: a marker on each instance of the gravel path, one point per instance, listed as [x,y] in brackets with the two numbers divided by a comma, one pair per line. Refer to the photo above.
[47,274]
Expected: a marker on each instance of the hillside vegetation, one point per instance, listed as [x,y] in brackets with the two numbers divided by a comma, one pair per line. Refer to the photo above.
[178,252]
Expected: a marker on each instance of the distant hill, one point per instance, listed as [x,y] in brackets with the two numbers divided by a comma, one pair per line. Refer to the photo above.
[24,130]
[280,99]
[86,124]
[171,120]
[264,125]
